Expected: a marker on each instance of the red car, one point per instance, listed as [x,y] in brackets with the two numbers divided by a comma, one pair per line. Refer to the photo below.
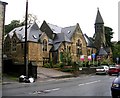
[114,70]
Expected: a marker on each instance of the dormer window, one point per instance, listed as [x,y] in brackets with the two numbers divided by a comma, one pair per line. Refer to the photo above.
[28,26]
[23,37]
[20,29]
[34,36]
[69,32]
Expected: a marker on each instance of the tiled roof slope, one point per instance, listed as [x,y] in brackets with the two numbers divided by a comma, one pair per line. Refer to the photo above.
[33,33]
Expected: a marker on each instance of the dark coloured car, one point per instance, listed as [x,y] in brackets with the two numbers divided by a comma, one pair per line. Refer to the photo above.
[115,88]
[114,70]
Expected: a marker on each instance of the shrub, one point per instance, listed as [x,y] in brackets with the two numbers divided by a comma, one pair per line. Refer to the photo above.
[67,70]
[58,65]
[47,65]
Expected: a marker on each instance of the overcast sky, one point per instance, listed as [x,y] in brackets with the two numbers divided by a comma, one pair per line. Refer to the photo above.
[65,13]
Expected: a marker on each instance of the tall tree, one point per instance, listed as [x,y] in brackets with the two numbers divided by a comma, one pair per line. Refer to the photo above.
[116,50]
[31,18]
[16,23]
[12,25]
[108,35]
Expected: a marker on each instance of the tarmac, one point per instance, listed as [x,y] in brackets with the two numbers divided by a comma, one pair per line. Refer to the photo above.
[43,74]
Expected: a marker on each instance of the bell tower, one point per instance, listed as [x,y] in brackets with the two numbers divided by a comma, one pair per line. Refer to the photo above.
[99,35]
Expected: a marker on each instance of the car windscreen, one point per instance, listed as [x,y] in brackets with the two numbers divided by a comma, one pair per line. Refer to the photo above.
[100,67]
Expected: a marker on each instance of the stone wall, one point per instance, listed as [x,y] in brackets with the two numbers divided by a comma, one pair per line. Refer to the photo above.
[1,30]
[2,20]
[35,53]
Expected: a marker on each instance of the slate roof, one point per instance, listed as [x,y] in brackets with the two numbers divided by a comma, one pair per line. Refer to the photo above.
[55,28]
[47,29]
[102,52]
[99,18]
[65,36]
[89,41]
[57,34]
[69,31]
[55,46]
[61,37]
[33,33]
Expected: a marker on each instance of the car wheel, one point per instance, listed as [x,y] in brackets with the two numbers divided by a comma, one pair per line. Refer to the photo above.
[106,72]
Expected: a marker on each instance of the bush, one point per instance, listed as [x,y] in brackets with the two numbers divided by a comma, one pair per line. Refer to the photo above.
[47,65]
[58,65]
[67,70]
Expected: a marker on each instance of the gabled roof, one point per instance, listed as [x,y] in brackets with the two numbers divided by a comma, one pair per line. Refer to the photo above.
[55,46]
[89,41]
[33,32]
[102,52]
[61,37]
[45,28]
[64,36]
[99,18]
[69,31]
[55,28]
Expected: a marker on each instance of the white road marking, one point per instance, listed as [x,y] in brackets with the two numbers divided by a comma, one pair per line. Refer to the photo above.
[55,89]
[45,91]
[112,78]
[93,82]
[81,84]
[89,82]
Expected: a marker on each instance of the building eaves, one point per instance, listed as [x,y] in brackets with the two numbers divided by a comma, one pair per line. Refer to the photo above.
[45,28]
[89,41]
[33,32]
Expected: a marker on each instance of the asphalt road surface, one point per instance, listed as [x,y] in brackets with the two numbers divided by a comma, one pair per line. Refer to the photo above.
[88,85]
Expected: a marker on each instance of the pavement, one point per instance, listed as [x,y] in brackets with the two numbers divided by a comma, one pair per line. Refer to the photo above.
[43,74]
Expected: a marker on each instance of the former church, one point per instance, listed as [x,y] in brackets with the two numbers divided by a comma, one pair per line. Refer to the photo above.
[48,42]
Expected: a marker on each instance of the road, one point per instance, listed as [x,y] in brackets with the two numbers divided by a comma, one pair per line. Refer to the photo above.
[88,85]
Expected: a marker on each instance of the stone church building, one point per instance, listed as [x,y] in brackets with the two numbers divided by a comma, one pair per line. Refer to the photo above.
[46,43]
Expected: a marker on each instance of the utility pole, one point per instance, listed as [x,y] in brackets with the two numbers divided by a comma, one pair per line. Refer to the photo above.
[25,49]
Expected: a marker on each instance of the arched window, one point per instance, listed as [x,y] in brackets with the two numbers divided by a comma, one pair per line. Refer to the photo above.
[78,47]
[14,44]
[44,45]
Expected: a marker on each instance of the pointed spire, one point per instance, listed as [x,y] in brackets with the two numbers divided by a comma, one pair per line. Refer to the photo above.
[99,17]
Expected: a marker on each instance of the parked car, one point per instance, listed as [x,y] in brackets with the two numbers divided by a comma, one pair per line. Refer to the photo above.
[102,69]
[114,70]
[115,88]
[111,66]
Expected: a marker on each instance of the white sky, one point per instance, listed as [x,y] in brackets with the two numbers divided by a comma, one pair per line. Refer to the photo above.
[67,13]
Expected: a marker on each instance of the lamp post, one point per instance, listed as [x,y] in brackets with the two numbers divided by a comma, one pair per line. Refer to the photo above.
[25,50]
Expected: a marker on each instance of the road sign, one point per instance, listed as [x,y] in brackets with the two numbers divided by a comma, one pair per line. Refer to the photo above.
[93,55]
[117,59]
